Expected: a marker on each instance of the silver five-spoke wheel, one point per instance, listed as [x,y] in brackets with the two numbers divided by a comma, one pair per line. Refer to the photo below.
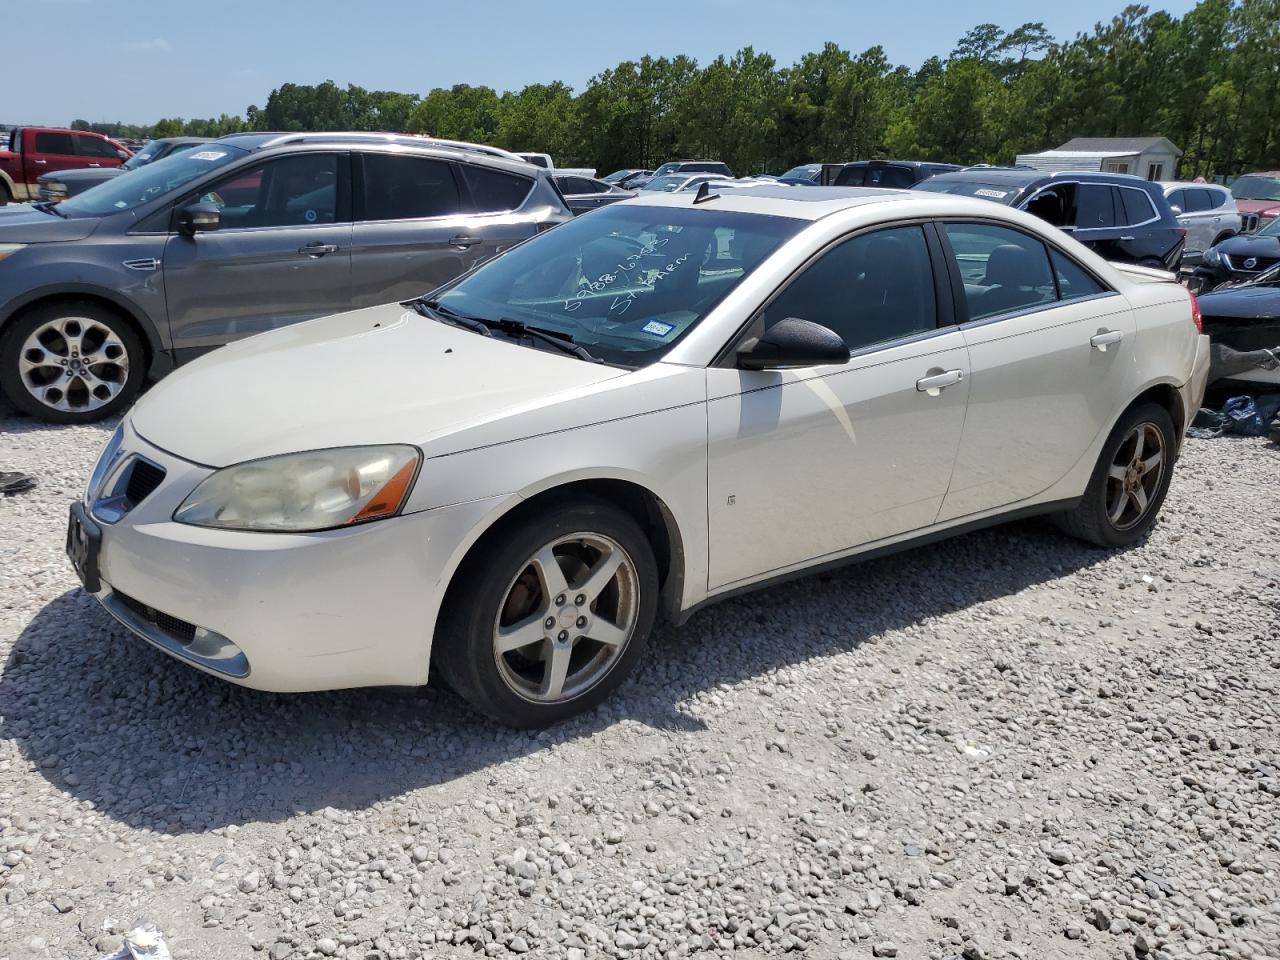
[1134,475]
[73,364]
[567,617]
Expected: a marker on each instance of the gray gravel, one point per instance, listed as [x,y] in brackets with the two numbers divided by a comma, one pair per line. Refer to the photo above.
[1008,745]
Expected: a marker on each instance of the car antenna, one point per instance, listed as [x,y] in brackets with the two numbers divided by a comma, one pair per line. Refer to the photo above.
[704,192]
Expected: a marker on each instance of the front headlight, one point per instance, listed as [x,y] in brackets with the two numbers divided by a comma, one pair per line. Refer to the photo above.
[9,249]
[300,492]
[1212,255]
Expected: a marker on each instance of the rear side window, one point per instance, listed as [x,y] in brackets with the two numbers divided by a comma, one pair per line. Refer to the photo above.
[59,143]
[1074,281]
[493,191]
[574,185]
[1179,199]
[93,147]
[890,177]
[1003,270]
[1201,200]
[1094,206]
[871,289]
[398,187]
[1136,206]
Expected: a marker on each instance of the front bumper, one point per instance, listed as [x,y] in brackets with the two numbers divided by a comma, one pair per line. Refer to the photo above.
[281,612]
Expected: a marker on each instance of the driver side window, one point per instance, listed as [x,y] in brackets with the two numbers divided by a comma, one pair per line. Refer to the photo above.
[298,190]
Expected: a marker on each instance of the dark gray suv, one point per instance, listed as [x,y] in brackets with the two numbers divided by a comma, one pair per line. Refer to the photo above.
[238,236]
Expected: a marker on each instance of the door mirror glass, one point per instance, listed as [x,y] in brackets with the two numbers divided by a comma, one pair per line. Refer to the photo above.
[1177,210]
[199,218]
[793,343]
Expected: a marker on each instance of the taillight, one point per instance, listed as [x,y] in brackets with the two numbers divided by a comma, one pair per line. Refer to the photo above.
[1196,318]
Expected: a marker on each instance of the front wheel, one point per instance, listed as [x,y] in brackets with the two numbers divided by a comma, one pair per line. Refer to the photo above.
[70,362]
[546,619]
[1130,481]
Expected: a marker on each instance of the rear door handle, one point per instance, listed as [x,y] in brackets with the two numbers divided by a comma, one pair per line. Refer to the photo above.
[1104,338]
[41,162]
[935,383]
[95,164]
[461,240]
[318,249]
[1128,238]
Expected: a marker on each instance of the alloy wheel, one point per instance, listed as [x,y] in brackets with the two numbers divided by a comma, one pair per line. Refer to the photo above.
[73,364]
[566,618]
[1134,475]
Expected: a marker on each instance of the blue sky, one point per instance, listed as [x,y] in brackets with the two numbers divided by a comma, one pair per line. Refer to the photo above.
[139,60]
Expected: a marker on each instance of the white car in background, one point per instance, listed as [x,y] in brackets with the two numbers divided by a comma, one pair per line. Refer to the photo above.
[640,412]
[1207,210]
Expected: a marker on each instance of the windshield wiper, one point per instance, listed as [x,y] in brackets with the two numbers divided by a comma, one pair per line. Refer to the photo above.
[433,308]
[556,338]
[44,206]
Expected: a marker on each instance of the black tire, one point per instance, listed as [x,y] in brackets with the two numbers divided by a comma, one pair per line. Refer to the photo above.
[487,583]
[1223,237]
[121,372]
[1091,520]
[5,196]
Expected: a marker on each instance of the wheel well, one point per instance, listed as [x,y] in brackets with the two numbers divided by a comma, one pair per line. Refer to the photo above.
[1167,397]
[641,504]
[148,352]
[1225,235]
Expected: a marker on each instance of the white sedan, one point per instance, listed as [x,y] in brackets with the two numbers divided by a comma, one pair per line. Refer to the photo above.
[667,402]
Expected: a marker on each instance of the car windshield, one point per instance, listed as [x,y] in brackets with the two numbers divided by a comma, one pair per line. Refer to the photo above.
[626,282]
[665,169]
[1256,188]
[144,155]
[802,172]
[665,184]
[984,190]
[617,175]
[1272,229]
[153,180]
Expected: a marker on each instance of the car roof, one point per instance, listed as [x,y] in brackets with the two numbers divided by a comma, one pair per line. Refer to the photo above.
[429,146]
[1184,184]
[1026,177]
[809,203]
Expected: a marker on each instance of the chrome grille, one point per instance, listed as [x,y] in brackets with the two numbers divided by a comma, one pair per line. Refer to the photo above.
[1249,264]
[180,630]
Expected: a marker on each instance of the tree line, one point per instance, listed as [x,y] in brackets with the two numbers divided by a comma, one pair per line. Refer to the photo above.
[1209,81]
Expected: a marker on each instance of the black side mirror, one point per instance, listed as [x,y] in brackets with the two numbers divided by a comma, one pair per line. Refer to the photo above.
[793,343]
[198,218]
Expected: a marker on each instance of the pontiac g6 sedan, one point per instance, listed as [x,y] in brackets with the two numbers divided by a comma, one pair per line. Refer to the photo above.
[669,401]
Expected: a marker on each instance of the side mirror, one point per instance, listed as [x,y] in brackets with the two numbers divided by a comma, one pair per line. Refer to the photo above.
[122,155]
[198,218]
[1177,211]
[793,343]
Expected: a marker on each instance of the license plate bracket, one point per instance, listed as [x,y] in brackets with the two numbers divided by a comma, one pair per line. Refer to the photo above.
[84,541]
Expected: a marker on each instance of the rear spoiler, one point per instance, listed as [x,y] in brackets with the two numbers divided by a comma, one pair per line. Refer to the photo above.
[1145,274]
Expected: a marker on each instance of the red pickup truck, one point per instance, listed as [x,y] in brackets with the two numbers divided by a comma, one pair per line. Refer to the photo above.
[36,150]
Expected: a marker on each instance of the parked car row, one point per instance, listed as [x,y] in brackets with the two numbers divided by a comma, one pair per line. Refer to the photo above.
[35,151]
[56,187]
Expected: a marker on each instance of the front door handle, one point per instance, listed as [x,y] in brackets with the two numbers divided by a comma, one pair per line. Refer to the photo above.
[1128,238]
[41,162]
[1104,338]
[461,240]
[935,383]
[315,250]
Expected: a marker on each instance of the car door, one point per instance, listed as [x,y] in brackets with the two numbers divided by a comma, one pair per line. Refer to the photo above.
[1051,351]
[806,464]
[1143,234]
[1094,223]
[96,152]
[282,253]
[49,150]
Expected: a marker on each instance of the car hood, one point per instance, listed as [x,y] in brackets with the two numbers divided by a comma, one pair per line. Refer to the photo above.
[1246,244]
[26,224]
[1243,303]
[380,375]
[1269,207]
[88,173]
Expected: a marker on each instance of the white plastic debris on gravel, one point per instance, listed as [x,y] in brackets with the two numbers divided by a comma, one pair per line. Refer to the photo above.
[1006,745]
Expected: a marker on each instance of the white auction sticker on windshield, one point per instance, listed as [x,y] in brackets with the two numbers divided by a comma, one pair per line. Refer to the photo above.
[992,194]
[209,155]
[657,328]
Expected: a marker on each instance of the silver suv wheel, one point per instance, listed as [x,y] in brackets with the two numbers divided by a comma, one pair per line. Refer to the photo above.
[73,364]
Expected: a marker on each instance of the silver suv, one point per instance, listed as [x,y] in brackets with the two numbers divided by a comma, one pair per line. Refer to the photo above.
[241,235]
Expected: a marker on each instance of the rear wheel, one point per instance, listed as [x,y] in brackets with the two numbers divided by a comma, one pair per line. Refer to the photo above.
[1223,237]
[70,362]
[5,195]
[1130,481]
[550,617]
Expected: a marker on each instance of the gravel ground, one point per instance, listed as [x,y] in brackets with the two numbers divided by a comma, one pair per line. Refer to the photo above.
[1007,745]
